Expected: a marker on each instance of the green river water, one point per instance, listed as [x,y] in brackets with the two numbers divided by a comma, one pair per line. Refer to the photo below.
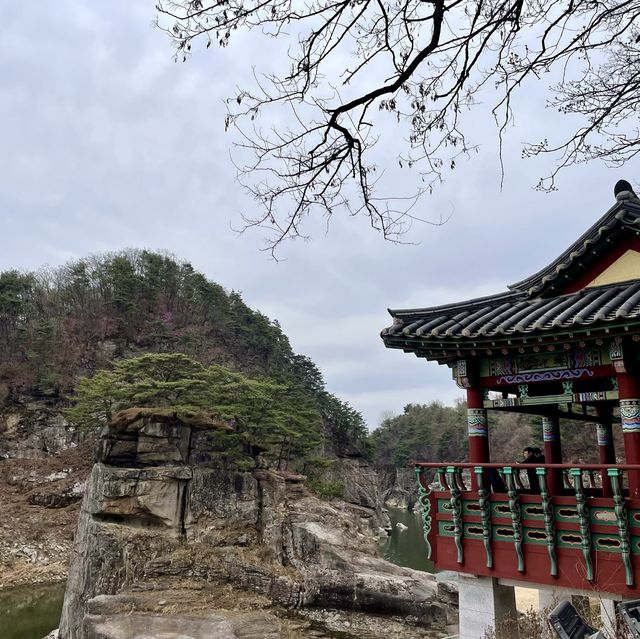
[31,613]
[406,547]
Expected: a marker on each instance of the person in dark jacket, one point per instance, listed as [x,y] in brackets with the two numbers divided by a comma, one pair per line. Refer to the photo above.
[532,455]
[496,482]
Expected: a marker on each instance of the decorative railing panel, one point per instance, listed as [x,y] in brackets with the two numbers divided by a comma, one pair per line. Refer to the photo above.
[574,537]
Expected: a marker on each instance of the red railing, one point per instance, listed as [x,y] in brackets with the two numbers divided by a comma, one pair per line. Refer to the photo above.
[570,525]
[597,475]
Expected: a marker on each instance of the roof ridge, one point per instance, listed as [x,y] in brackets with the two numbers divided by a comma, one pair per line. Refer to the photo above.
[614,217]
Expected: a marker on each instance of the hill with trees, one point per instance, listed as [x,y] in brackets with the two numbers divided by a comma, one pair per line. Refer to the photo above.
[434,432]
[68,334]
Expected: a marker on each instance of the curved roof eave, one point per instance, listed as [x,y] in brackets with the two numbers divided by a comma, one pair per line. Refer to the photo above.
[614,218]
[420,312]
[514,314]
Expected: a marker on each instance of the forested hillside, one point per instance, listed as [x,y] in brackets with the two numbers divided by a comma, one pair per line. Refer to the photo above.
[433,432]
[55,324]
[59,325]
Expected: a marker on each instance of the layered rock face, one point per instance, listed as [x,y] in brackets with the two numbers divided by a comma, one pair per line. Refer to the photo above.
[33,430]
[168,532]
[401,489]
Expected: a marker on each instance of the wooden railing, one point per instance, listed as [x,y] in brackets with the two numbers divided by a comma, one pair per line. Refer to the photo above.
[582,507]
[595,477]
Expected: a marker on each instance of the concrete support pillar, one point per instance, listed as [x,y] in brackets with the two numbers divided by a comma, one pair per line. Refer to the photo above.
[478,432]
[548,599]
[485,604]
[629,393]
[552,452]
[608,618]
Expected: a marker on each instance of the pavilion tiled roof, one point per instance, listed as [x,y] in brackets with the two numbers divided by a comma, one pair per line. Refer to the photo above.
[534,306]
[516,314]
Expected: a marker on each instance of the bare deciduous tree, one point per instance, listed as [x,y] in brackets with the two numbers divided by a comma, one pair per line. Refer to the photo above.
[426,62]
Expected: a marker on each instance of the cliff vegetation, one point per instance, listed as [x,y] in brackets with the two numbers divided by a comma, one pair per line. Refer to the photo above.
[434,432]
[176,338]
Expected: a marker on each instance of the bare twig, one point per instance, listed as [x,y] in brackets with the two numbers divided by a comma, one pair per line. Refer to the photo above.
[425,62]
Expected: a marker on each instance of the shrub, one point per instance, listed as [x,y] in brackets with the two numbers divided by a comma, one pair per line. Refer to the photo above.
[330,490]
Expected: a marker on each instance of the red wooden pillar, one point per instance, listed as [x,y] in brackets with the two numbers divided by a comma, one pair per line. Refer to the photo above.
[477,430]
[606,450]
[629,394]
[552,451]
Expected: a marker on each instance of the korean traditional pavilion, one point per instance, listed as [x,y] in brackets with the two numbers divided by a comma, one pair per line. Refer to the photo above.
[561,344]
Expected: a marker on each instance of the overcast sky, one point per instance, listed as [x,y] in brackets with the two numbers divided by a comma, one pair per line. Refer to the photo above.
[107,144]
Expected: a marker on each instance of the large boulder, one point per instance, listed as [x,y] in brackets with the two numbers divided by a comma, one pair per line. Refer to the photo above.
[124,617]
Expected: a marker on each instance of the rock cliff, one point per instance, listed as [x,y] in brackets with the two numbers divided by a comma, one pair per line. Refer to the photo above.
[189,547]
[32,428]
[399,488]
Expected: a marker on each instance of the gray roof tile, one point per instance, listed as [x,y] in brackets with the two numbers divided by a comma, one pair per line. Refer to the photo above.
[530,307]
[516,314]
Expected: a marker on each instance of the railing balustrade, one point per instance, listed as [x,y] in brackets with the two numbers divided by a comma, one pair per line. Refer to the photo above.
[569,506]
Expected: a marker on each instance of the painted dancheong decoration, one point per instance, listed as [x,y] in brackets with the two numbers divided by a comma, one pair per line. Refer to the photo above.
[561,344]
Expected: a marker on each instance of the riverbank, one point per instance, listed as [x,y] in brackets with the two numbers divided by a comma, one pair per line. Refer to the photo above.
[41,502]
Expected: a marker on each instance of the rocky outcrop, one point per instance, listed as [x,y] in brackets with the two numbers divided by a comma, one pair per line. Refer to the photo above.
[400,489]
[34,429]
[360,481]
[165,517]
[40,504]
[124,616]
[361,488]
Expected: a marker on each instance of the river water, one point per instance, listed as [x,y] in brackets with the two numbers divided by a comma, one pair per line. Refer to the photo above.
[406,547]
[31,612]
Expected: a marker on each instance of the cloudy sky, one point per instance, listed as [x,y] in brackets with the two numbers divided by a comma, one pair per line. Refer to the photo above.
[107,144]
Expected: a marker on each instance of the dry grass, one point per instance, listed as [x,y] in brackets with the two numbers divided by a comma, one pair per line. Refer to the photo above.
[35,541]
[533,624]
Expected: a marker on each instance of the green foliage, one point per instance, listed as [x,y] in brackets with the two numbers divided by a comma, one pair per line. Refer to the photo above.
[58,326]
[141,300]
[426,432]
[345,427]
[43,336]
[153,379]
[433,432]
[15,295]
[347,424]
[268,416]
[330,490]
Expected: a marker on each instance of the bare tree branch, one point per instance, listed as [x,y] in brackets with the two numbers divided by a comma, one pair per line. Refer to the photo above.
[426,62]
